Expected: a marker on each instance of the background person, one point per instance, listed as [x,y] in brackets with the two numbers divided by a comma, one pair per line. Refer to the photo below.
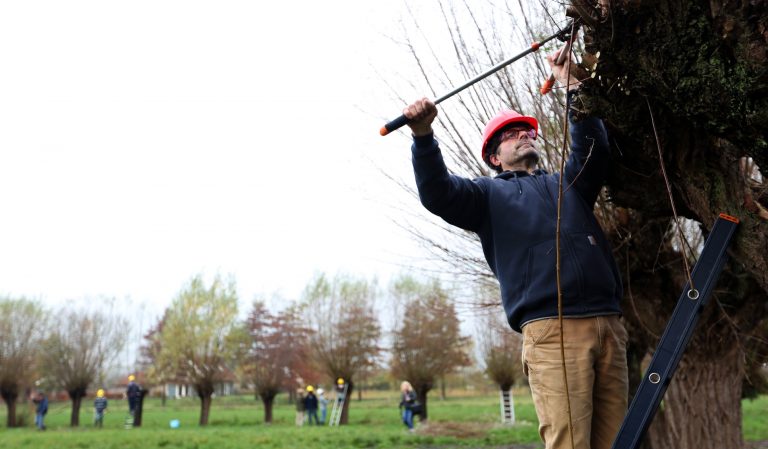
[99,408]
[310,404]
[323,402]
[340,391]
[133,393]
[41,409]
[407,403]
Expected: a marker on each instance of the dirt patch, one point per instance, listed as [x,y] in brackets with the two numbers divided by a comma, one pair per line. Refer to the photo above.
[455,429]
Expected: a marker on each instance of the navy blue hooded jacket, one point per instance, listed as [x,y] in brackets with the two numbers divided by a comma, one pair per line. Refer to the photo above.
[515,215]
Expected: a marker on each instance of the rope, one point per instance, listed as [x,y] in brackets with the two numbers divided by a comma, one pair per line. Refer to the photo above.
[557,242]
[692,290]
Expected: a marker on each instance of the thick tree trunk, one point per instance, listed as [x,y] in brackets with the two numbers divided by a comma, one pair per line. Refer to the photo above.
[10,403]
[77,399]
[702,406]
[344,419]
[442,388]
[268,400]
[421,396]
[205,408]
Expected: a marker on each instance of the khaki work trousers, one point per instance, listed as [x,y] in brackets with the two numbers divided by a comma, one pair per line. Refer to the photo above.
[596,363]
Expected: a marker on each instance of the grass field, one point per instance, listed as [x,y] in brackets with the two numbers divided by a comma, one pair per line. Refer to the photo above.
[237,422]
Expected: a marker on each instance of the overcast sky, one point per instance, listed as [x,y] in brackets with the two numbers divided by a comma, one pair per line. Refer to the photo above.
[142,142]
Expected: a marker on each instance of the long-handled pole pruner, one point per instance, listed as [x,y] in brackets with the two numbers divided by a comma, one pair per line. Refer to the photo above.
[563,34]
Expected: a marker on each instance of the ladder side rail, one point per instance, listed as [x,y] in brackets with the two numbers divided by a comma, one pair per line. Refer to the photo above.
[332,418]
[511,408]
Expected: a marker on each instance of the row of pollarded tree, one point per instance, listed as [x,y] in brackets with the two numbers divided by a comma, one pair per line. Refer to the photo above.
[67,350]
[333,332]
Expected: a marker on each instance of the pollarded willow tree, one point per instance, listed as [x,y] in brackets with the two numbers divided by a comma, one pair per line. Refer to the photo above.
[694,74]
[22,327]
[342,317]
[277,346]
[78,351]
[196,341]
[427,342]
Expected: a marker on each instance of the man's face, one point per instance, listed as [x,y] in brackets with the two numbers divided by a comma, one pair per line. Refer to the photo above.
[518,149]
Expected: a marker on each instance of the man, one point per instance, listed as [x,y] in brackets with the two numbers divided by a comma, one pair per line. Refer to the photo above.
[310,404]
[341,390]
[133,393]
[515,215]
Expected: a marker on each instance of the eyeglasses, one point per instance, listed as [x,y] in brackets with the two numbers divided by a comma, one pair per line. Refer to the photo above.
[515,133]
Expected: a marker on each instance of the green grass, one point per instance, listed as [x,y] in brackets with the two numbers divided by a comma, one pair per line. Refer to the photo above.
[237,422]
[754,419]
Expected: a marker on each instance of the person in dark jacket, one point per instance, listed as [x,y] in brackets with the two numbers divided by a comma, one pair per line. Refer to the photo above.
[41,409]
[133,393]
[515,216]
[310,404]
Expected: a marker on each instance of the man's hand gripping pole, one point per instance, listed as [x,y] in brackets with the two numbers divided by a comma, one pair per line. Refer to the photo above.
[564,53]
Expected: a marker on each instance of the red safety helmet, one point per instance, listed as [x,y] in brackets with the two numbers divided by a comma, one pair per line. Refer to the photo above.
[502,119]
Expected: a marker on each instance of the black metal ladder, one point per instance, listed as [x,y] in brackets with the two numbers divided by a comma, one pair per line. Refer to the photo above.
[677,334]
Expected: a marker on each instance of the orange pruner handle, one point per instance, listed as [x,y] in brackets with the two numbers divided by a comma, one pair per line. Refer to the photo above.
[547,86]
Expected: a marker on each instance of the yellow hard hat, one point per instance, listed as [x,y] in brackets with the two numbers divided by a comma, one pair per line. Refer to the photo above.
[131,378]
[340,381]
[100,393]
[310,388]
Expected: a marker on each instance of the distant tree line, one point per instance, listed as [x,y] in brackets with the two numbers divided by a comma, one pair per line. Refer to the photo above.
[333,330]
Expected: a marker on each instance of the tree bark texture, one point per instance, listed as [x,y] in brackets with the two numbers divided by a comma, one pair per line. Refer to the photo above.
[344,418]
[422,392]
[702,406]
[701,70]
[77,398]
[10,404]
[205,409]
[205,391]
[268,400]
[695,74]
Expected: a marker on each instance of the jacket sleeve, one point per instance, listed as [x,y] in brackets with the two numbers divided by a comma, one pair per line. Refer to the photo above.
[459,201]
[588,162]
